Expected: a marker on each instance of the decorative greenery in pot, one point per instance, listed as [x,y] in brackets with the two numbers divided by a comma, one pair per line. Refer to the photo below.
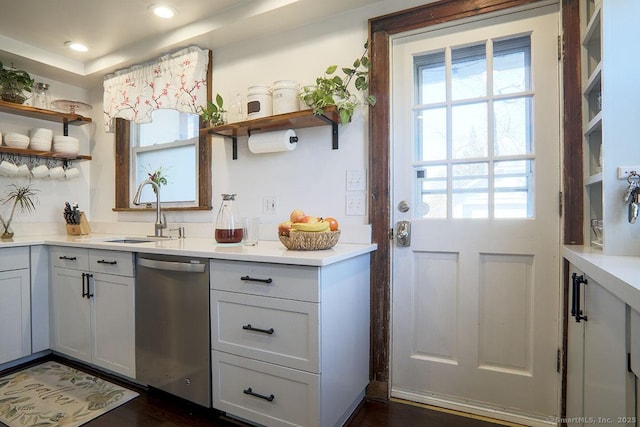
[159,175]
[13,84]
[333,89]
[214,113]
[23,197]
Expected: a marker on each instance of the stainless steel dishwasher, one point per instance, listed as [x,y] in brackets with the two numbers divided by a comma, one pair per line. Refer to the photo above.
[172,325]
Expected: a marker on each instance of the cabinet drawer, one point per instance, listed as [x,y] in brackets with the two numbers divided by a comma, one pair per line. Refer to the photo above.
[111,262]
[295,393]
[274,280]
[275,330]
[14,258]
[76,258]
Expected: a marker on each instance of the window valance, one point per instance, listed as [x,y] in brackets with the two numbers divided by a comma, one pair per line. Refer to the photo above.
[177,81]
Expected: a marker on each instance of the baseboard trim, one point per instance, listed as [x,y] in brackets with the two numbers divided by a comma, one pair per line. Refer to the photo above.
[496,416]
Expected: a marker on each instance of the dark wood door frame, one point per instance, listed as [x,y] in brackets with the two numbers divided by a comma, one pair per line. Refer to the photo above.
[380,30]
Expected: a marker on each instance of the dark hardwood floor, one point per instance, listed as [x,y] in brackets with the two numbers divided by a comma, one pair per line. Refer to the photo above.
[157,410]
[153,408]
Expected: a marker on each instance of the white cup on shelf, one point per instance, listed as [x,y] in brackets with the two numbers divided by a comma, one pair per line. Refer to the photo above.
[57,172]
[8,168]
[72,172]
[40,171]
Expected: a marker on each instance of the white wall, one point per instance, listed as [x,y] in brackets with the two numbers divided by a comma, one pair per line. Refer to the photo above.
[312,177]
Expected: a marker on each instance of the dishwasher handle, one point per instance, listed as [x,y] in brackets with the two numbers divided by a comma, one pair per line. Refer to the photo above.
[185,267]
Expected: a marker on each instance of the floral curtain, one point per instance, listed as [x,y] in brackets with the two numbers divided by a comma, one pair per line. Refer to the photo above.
[177,81]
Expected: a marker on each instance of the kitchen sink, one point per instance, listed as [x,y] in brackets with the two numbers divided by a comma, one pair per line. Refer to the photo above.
[130,241]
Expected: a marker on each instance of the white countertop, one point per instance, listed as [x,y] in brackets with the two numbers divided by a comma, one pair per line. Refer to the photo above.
[264,251]
[620,275]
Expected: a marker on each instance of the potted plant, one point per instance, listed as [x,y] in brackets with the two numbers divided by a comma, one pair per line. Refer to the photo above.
[333,89]
[214,113]
[23,197]
[13,84]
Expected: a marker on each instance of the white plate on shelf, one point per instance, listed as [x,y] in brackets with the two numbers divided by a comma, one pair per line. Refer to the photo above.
[69,106]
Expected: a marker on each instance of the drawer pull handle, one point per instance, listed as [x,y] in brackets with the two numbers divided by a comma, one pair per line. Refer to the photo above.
[261,396]
[253,279]
[264,331]
[68,258]
[103,261]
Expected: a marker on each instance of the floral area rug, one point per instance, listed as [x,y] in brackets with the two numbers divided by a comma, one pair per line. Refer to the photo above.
[52,394]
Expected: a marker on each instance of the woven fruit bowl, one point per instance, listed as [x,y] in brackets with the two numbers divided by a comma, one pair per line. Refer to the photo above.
[310,240]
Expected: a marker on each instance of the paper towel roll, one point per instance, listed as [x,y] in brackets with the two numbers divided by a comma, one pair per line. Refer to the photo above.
[273,142]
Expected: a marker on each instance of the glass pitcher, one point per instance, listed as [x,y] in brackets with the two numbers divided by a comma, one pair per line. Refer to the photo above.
[228,223]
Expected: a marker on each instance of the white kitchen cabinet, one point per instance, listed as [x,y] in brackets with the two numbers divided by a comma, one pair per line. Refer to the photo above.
[15,304]
[290,343]
[599,385]
[93,307]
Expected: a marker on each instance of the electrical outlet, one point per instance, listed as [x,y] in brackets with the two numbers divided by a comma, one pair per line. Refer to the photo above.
[270,205]
[356,180]
[624,171]
[356,203]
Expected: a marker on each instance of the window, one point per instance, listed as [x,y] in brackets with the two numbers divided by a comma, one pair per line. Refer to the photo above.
[473,117]
[168,143]
[172,142]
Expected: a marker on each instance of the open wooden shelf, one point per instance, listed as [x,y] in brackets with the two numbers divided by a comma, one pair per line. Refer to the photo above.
[295,120]
[38,113]
[44,154]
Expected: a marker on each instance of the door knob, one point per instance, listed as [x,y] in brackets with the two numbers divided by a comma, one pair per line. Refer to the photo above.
[403,233]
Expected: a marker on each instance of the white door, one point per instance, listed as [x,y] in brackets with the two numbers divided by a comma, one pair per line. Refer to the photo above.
[475,141]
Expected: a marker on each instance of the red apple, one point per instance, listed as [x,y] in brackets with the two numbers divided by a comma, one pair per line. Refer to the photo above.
[297,215]
[284,228]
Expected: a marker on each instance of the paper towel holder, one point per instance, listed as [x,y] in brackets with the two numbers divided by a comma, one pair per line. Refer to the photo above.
[299,119]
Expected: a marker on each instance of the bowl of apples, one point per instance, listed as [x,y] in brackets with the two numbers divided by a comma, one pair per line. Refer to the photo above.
[304,232]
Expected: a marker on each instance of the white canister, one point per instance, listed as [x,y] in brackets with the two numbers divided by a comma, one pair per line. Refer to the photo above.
[259,101]
[285,97]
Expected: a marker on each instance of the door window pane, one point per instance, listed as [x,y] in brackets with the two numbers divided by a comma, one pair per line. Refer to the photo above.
[469,130]
[468,72]
[432,132]
[512,182]
[432,200]
[470,186]
[512,128]
[432,78]
[511,65]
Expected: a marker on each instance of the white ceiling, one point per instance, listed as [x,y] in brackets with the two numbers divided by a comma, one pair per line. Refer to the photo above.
[120,33]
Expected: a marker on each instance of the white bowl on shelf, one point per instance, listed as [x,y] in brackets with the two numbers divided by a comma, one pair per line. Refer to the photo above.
[40,139]
[16,140]
[66,145]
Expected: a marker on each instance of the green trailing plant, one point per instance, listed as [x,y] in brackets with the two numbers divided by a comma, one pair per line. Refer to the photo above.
[214,113]
[14,83]
[334,89]
[24,198]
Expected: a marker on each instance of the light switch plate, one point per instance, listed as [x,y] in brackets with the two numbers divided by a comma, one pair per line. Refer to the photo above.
[356,203]
[270,205]
[356,180]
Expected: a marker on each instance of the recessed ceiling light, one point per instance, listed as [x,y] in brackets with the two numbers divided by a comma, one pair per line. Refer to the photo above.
[163,11]
[78,47]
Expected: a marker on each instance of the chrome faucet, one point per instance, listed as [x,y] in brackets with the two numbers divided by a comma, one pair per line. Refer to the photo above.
[161,220]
